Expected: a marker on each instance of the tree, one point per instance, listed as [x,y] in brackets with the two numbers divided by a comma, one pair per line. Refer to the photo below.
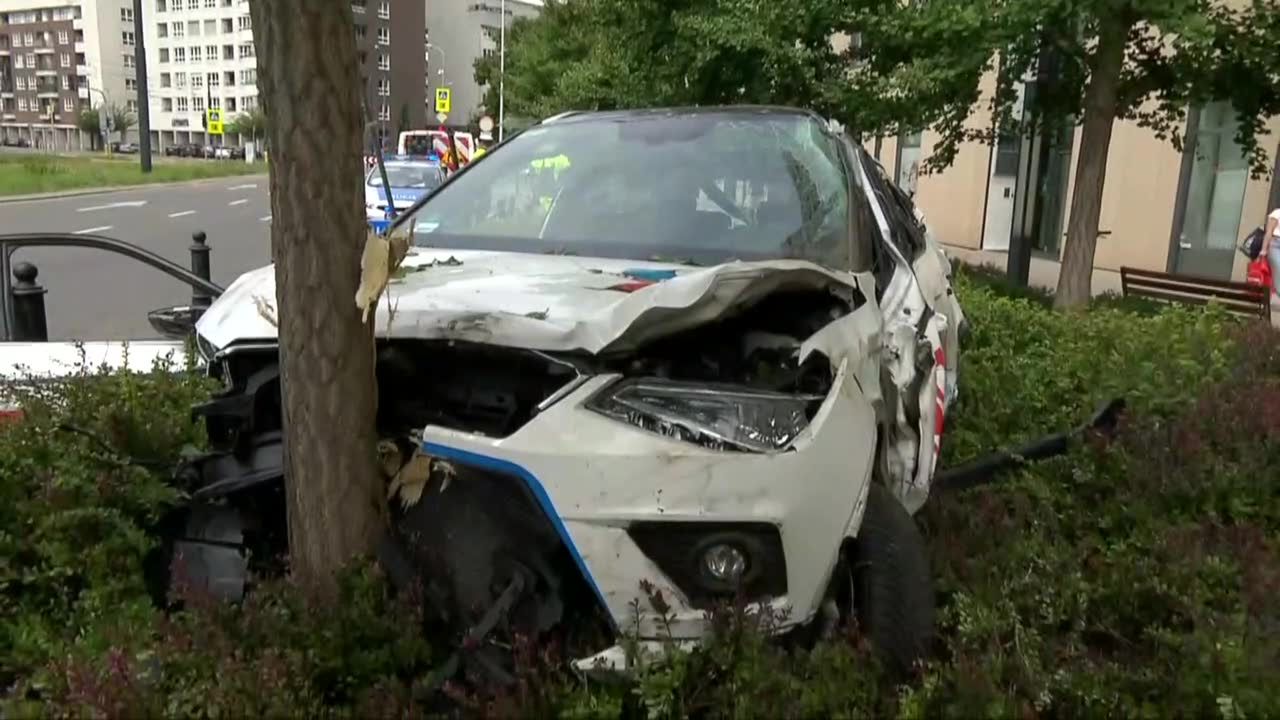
[252,123]
[121,119]
[88,121]
[1147,61]
[309,83]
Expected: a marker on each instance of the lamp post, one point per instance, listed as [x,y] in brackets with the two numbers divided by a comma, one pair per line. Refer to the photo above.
[502,71]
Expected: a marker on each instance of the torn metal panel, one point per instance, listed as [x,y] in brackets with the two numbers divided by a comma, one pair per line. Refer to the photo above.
[541,302]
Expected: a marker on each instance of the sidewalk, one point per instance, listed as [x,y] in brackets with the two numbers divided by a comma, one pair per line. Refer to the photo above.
[1044,274]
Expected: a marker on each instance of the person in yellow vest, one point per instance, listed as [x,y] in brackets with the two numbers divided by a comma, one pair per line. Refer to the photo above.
[479,152]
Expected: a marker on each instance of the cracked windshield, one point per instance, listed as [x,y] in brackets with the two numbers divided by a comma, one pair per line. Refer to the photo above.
[701,188]
[615,359]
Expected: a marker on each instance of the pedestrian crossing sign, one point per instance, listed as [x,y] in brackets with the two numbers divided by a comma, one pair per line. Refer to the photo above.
[214,124]
[444,100]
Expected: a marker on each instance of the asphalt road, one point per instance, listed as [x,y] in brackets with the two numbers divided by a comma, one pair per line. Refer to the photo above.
[96,295]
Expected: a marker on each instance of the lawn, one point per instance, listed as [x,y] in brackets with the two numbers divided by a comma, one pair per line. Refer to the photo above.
[39,173]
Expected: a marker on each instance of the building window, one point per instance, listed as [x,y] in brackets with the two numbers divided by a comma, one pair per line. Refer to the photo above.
[197,104]
[129,61]
[182,104]
[193,4]
[166,80]
[195,53]
[179,55]
[228,25]
[132,105]
[126,37]
[248,77]
[126,14]
[18,63]
[193,28]
[166,104]
[130,83]
[215,80]
[180,80]
[178,29]
[31,61]
[229,79]
[197,81]
[215,103]
[21,83]
[63,38]
[164,55]
[231,105]
[65,59]
[162,6]
[29,39]
[22,104]
[384,113]
[249,103]
[384,61]
[244,22]
[384,36]
[162,30]
[210,27]
[246,50]
[360,32]
[384,9]
[384,87]
[68,104]
[211,52]
[210,4]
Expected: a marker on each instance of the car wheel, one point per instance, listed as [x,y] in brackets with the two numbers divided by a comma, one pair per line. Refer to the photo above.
[889,584]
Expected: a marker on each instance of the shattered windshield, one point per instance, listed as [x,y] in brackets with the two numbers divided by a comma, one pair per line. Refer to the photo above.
[700,187]
[408,176]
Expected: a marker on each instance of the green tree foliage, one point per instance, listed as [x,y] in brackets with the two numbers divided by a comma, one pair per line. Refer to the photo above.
[252,123]
[90,122]
[609,54]
[122,119]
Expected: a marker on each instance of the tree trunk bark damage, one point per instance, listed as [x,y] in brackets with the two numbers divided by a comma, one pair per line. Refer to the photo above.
[308,75]
[1076,274]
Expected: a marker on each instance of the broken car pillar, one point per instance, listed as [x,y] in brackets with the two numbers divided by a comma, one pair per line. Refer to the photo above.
[200,267]
[29,323]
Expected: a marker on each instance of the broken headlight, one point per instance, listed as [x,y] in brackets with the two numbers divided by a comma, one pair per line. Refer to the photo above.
[714,416]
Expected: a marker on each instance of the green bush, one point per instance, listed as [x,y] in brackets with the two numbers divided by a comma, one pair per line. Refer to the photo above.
[1136,576]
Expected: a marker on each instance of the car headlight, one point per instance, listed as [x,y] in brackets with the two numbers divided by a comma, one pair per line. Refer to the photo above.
[720,417]
[206,349]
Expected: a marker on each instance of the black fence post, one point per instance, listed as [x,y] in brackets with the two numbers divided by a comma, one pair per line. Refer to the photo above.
[200,268]
[29,323]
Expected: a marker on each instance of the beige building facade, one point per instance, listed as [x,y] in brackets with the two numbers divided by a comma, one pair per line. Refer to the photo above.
[1164,210]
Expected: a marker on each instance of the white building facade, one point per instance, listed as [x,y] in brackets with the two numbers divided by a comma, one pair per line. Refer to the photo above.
[200,55]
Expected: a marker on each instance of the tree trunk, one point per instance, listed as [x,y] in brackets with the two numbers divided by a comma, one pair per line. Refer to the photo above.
[1100,97]
[308,75]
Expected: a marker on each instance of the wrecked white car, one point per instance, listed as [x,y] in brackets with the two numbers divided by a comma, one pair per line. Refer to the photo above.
[704,353]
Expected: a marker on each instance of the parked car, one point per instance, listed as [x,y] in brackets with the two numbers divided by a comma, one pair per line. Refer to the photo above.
[410,177]
[17,142]
[127,148]
[704,353]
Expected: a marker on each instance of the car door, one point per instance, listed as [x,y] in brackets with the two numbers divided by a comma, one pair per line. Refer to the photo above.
[914,353]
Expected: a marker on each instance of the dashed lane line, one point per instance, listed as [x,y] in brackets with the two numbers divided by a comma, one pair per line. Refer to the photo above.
[86,231]
[180,214]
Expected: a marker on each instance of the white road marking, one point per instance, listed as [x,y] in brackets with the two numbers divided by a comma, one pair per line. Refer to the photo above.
[86,231]
[248,186]
[241,201]
[127,203]
[184,212]
[265,219]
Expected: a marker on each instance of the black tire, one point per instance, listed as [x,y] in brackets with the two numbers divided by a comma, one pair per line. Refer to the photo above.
[893,595]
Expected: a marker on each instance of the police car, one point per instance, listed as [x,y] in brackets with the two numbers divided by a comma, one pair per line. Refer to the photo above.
[410,177]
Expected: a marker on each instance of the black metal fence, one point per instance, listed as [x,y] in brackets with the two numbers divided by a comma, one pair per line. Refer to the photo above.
[23,318]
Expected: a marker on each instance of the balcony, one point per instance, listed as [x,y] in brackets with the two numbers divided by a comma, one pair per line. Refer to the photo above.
[77,23]
[79,46]
[82,93]
[43,50]
[46,72]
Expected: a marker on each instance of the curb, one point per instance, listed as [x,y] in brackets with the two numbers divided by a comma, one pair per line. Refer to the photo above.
[119,188]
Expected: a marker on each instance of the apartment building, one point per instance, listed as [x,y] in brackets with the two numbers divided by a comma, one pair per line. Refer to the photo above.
[200,55]
[390,40]
[465,31]
[58,57]
[1164,210]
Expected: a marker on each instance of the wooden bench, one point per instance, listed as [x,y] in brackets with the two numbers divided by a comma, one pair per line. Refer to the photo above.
[1236,297]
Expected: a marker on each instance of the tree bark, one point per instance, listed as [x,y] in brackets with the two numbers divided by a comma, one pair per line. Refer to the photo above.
[1100,98]
[308,75]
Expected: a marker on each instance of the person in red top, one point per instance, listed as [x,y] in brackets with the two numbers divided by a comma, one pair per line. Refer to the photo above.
[1271,247]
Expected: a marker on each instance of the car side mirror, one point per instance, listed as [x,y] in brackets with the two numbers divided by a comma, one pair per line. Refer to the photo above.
[177,322]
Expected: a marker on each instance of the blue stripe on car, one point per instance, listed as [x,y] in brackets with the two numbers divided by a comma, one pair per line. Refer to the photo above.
[507,467]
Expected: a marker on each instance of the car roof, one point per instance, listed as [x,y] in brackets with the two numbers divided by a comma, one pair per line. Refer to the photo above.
[574,116]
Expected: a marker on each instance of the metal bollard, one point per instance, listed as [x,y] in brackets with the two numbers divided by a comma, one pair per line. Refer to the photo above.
[29,323]
[200,267]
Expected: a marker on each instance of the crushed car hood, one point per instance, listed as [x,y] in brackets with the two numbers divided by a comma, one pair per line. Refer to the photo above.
[535,301]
